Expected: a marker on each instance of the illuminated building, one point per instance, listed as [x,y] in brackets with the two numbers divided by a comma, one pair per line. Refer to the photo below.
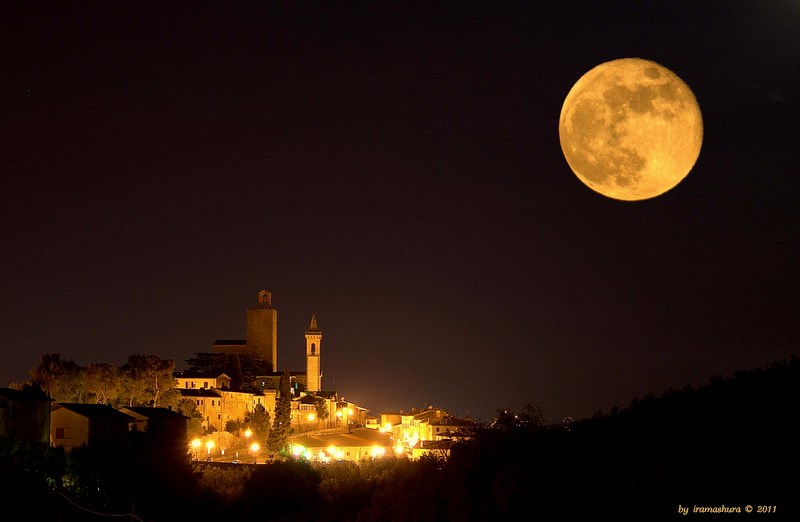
[313,346]
[359,444]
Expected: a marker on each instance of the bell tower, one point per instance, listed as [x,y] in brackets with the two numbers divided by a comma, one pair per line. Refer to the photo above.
[313,368]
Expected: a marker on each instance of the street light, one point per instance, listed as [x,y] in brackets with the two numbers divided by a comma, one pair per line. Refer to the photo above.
[254,448]
[195,446]
[209,445]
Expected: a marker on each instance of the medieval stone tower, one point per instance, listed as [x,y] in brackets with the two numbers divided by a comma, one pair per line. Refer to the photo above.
[313,368]
[262,330]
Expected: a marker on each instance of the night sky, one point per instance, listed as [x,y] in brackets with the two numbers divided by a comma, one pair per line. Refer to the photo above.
[395,168]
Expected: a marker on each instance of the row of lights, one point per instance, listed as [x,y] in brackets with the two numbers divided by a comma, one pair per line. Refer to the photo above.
[333,452]
[255,447]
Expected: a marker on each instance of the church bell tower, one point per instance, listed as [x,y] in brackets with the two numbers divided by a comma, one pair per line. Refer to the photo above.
[313,368]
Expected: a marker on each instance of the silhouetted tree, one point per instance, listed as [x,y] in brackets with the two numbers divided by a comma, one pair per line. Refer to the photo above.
[283,415]
[59,378]
[203,362]
[321,406]
[259,423]
[194,426]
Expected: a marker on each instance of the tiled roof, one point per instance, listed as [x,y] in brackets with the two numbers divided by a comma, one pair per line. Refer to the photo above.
[28,395]
[189,374]
[154,412]
[198,392]
[358,437]
[93,411]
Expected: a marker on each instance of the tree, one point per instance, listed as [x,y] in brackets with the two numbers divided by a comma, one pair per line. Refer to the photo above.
[532,416]
[194,426]
[322,408]
[146,378]
[283,415]
[156,374]
[60,379]
[102,382]
[133,388]
[208,362]
[259,422]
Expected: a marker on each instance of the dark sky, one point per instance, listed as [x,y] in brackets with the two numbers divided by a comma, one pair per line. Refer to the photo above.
[395,168]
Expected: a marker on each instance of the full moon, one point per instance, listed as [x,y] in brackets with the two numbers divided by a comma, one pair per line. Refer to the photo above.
[631,129]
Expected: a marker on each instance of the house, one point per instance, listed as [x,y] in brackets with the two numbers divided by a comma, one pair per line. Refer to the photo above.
[189,380]
[426,425]
[358,444]
[73,425]
[161,432]
[435,448]
[25,415]
[217,406]
[164,423]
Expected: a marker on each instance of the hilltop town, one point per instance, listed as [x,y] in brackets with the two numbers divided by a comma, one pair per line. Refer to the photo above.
[230,405]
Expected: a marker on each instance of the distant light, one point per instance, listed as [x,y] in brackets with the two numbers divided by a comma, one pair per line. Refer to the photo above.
[255,446]
[196,443]
[311,417]
[377,451]
[248,432]
[297,450]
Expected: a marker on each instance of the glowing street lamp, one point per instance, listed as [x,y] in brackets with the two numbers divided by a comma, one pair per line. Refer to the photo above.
[209,446]
[195,446]
[254,449]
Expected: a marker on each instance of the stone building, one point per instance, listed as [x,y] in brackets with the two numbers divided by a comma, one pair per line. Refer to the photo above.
[261,331]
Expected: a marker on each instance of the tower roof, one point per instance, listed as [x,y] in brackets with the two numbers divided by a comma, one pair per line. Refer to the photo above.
[313,326]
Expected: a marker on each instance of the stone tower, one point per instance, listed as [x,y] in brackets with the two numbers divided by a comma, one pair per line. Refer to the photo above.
[313,368]
[262,330]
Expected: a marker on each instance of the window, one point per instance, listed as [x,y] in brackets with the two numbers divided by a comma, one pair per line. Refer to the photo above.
[62,433]
[205,384]
[313,348]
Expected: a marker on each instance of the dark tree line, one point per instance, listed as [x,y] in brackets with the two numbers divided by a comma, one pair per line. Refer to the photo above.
[144,380]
